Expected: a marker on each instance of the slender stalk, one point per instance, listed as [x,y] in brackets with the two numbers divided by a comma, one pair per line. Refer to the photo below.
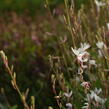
[13,81]
[69,22]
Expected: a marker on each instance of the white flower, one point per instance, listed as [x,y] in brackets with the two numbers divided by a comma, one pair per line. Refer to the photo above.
[81,50]
[68,95]
[98,91]
[93,95]
[80,70]
[69,105]
[76,52]
[86,106]
[86,85]
[82,54]
[107,25]
[100,45]
[83,57]
[92,62]
[99,4]
[84,46]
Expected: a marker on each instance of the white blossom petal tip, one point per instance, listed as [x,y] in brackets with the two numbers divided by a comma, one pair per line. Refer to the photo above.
[100,45]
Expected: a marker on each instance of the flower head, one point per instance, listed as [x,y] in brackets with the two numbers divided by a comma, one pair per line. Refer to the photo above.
[92,62]
[94,96]
[107,25]
[69,105]
[99,4]
[68,95]
[100,45]
[81,50]
[86,85]
[82,54]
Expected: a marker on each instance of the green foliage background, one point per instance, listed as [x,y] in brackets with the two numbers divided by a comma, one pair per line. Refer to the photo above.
[21,5]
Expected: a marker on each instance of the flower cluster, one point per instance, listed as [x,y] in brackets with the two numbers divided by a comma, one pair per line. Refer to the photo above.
[100,46]
[94,98]
[86,85]
[83,57]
